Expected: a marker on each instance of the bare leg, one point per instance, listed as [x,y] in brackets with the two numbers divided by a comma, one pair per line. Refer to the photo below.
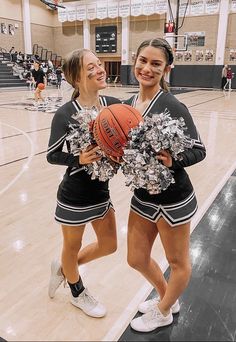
[105,230]
[141,236]
[71,246]
[38,95]
[226,84]
[175,241]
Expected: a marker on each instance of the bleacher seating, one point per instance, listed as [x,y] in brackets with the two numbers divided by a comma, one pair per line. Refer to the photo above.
[7,79]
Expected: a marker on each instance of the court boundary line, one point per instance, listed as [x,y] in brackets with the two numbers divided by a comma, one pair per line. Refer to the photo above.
[26,165]
[20,159]
[121,324]
[18,135]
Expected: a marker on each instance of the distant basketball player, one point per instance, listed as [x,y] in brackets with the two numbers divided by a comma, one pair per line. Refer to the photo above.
[224,76]
[80,199]
[38,77]
[229,77]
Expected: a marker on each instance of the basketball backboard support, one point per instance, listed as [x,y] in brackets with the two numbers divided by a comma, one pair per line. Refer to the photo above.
[177,42]
[52,4]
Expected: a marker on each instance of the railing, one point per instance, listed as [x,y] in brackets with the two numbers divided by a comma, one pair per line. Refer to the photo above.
[45,55]
[6,55]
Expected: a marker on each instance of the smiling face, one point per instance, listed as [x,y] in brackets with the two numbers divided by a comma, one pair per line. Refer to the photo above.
[93,75]
[151,65]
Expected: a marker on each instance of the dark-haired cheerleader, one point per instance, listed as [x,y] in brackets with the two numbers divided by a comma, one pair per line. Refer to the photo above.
[169,212]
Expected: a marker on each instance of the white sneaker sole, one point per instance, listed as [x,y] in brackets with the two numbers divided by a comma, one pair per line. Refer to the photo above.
[175,308]
[95,315]
[51,292]
[137,325]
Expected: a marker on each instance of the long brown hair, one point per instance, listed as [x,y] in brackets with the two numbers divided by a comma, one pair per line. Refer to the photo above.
[163,45]
[72,69]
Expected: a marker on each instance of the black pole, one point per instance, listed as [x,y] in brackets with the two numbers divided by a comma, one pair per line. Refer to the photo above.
[177,18]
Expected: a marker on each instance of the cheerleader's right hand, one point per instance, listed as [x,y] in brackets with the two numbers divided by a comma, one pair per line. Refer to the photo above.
[90,155]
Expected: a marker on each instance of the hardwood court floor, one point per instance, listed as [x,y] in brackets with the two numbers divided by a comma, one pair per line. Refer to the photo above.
[30,238]
[207,306]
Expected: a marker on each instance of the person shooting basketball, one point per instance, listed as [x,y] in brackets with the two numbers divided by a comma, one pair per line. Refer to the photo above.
[39,80]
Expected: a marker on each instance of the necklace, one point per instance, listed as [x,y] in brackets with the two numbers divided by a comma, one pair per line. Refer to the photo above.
[96,106]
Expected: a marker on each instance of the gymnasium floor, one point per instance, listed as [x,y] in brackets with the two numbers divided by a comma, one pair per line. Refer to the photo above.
[30,238]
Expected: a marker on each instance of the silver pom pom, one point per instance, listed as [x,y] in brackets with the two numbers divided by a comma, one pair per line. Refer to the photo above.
[80,137]
[140,165]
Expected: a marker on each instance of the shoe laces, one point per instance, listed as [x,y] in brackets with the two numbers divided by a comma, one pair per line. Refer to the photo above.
[151,315]
[153,301]
[63,278]
[64,283]
[87,297]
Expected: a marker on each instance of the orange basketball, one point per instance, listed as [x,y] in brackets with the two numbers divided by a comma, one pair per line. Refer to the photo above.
[112,125]
[41,86]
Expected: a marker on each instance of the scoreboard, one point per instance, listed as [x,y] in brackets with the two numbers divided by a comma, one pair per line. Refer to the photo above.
[106,39]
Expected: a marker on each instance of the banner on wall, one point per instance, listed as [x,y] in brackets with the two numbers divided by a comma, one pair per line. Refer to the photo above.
[161,6]
[136,8]
[197,7]
[81,12]
[184,8]
[11,29]
[92,11]
[199,55]
[102,9]
[123,8]
[212,6]
[113,9]
[232,55]
[62,14]
[71,13]
[179,56]
[3,28]
[209,56]
[148,7]
[188,56]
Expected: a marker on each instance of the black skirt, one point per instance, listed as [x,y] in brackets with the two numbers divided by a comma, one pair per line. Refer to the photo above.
[81,200]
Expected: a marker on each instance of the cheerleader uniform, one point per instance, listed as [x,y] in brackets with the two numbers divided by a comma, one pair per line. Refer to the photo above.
[79,198]
[177,204]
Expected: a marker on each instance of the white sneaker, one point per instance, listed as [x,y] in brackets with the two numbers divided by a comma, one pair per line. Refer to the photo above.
[152,303]
[151,321]
[56,278]
[88,304]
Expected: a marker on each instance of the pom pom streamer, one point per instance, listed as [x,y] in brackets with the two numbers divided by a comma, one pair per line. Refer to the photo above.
[140,165]
[81,137]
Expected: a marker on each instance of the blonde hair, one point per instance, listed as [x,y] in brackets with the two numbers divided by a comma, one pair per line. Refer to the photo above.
[163,45]
[72,67]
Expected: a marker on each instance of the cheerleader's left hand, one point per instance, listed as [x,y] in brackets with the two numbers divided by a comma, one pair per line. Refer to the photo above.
[165,157]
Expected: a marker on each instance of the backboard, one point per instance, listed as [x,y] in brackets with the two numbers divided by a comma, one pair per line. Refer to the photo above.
[177,42]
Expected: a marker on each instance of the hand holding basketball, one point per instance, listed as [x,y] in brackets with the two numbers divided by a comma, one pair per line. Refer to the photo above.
[89,155]
[41,86]
[112,126]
